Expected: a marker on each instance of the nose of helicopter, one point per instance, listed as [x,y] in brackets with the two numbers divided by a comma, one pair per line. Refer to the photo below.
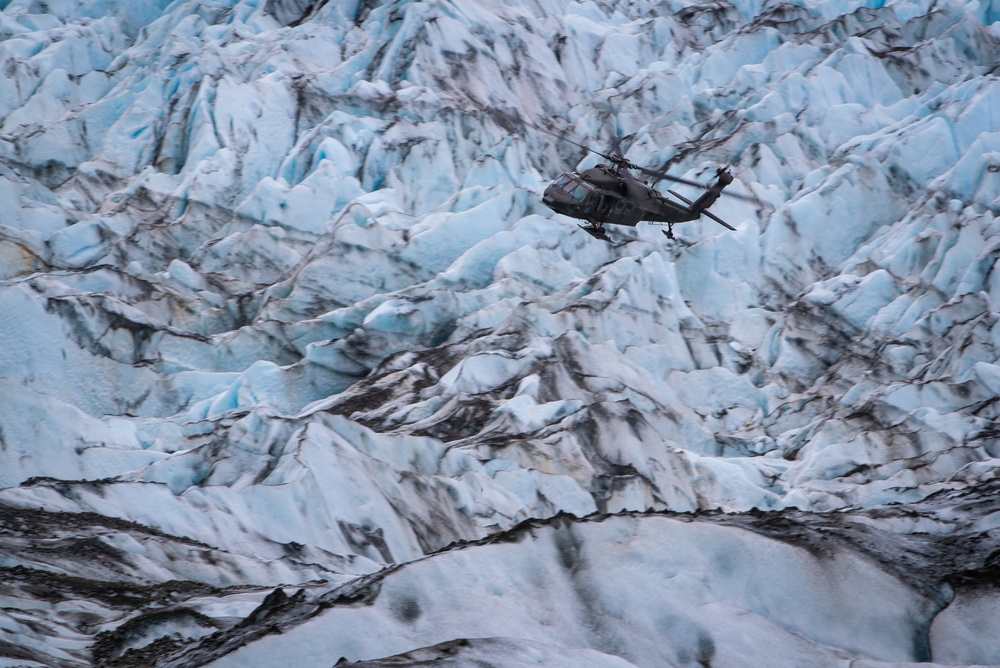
[556,199]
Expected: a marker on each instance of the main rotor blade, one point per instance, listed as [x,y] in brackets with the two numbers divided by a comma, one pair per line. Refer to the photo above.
[745,198]
[562,137]
[668,177]
[588,148]
[616,146]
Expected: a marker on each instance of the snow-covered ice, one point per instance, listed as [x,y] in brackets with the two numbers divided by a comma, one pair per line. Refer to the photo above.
[284,326]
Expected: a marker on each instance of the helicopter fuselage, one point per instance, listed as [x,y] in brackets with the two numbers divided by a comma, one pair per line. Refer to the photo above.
[605,195]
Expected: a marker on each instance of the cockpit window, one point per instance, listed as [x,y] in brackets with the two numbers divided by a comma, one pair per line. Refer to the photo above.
[580,191]
[573,185]
[563,180]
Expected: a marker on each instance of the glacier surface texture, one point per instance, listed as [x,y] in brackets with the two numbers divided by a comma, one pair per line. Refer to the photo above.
[297,370]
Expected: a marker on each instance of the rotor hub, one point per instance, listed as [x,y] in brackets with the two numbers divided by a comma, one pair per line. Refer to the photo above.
[621,162]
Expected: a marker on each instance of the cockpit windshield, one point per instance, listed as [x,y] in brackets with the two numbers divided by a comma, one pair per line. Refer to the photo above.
[579,190]
[564,179]
[572,184]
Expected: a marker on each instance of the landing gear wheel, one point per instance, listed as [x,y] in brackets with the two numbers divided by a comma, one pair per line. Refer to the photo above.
[669,232]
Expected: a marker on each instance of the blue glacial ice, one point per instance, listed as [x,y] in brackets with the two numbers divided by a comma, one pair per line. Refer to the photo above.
[280,309]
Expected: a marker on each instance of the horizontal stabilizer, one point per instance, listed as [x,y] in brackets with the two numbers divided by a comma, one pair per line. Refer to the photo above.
[707,213]
[719,220]
[680,197]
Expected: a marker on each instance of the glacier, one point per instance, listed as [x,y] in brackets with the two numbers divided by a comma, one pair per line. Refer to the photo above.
[295,367]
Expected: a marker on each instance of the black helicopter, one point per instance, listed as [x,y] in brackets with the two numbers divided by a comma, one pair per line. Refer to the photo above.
[610,195]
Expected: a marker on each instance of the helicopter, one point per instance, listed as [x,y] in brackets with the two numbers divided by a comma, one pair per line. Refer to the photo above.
[611,195]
